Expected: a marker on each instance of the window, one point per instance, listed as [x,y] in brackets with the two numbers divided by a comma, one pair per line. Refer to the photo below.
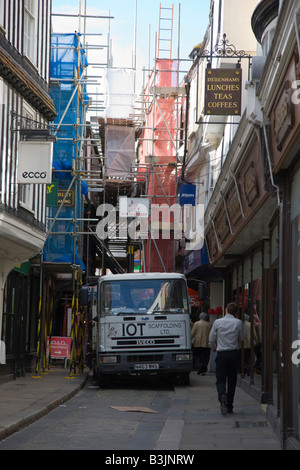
[268,37]
[26,196]
[26,190]
[14,312]
[30,13]
[2,14]
[143,296]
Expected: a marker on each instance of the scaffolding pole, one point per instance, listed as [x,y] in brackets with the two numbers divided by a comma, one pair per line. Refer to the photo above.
[149,102]
[78,175]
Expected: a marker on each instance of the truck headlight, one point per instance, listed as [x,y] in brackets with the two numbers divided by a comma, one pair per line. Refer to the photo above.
[183,357]
[108,359]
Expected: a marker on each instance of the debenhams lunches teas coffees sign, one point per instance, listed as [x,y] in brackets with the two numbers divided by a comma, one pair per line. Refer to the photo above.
[223,92]
[35,162]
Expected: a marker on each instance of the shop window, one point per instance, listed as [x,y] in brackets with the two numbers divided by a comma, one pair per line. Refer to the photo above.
[14,312]
[298,275]
[257,321]
[295,270]
[248,297]
[296,310]
[9,318]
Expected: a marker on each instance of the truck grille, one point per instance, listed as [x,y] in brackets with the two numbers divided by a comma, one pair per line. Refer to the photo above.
[146,342]
[145,358]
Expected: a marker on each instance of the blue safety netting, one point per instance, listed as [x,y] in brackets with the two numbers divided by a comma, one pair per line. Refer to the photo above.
[68,62]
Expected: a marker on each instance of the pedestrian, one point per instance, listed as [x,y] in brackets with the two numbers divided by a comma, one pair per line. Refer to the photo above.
[224,336]
[258,346]
[247,343]
[200,337]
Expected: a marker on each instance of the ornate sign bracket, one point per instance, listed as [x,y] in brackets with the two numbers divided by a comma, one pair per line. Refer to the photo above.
[224,50]
[30,129]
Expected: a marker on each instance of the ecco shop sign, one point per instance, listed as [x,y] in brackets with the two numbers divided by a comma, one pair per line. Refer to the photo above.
[35,162]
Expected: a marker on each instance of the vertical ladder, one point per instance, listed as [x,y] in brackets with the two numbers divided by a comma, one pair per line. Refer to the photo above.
[166,16]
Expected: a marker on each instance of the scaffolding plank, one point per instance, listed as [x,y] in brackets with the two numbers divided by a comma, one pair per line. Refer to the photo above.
[166,90]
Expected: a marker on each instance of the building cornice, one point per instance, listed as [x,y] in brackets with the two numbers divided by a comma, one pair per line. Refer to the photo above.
[15,70]
[265,12]
[281,51]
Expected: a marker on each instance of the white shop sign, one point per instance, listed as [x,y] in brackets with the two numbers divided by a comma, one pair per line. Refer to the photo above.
[35,162]
[133,207]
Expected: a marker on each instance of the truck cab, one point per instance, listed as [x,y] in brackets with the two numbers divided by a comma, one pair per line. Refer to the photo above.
[143,326]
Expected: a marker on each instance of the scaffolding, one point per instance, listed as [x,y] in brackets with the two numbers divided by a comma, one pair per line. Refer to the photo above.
[78,156]
[164,104]
[84,177]
[156,120]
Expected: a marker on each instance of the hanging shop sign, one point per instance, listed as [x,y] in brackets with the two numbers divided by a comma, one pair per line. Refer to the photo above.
[52,194]
[69,200]
[55,195]
[194,298]
[35,162]
[223,92]
[187,194]
[133,207]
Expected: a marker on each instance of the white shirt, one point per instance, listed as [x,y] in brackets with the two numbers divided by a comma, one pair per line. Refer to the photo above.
[226,333]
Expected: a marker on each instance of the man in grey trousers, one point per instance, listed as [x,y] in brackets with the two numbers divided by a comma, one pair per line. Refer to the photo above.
[224,336]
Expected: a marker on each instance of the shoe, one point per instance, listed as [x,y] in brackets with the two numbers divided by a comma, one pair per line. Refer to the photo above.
[223,405]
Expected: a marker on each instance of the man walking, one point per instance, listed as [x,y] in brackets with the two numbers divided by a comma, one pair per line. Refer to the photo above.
[201,349]
[225,335]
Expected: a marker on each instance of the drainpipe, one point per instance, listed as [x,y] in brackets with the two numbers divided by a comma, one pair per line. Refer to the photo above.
[279,202]
[187,87]
[257,124]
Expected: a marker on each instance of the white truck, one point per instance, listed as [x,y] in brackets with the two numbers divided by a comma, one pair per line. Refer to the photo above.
[143,326]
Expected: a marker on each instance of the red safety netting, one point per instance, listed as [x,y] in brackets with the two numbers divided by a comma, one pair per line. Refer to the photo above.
[158,145]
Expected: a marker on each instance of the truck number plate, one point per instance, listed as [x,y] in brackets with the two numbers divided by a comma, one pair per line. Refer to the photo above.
[145,366]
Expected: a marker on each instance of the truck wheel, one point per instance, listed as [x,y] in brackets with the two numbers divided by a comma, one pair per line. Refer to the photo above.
[104,380]
[184,378]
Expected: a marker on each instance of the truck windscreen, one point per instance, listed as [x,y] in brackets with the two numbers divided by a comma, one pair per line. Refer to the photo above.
[138,297]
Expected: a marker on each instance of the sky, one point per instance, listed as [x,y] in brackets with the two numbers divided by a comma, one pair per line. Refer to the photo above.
[189,25]
[193,24]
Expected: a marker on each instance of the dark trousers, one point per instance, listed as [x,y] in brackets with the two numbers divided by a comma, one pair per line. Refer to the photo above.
[227,363]
[201,356]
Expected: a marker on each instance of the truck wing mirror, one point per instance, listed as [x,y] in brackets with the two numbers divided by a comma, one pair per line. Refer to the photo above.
[84,295]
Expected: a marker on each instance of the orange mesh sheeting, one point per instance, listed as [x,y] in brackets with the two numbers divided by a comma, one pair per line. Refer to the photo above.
[158,145]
